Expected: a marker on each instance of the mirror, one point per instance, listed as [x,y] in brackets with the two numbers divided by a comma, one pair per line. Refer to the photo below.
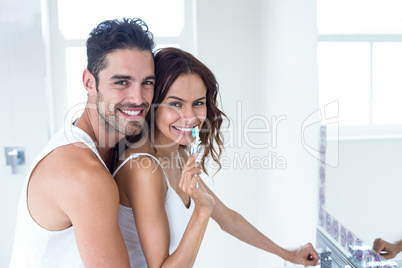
[360,189]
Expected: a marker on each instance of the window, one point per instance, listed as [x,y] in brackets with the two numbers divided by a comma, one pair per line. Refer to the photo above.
[360,63]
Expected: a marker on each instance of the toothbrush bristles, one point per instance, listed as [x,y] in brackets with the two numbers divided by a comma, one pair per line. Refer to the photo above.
[194,132]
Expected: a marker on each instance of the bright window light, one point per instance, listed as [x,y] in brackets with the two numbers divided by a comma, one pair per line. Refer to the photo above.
[76,62]
[360,62]
[387,83]
[164,18]
[344,75]
[359,16]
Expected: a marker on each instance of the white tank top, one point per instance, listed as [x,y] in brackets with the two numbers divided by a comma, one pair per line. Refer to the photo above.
[178,216]
[35,246]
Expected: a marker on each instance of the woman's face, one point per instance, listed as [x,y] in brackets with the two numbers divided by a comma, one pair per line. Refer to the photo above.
[183,108]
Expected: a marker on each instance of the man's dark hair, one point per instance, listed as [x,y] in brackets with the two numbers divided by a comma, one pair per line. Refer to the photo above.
[112,35]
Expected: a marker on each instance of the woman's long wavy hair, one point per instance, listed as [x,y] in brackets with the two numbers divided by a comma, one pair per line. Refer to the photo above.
[170,63]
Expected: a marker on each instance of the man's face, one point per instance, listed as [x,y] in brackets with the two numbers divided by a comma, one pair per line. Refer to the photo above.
[125,91]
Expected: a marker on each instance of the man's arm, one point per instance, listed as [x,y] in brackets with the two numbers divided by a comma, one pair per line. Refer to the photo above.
[91,199]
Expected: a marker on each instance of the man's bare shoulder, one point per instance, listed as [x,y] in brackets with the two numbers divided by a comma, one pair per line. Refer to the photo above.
[67,178]
[71,162]
[79,169]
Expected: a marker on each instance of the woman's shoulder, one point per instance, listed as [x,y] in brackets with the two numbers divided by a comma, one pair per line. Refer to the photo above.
[139,147]
[138,157]
[135,150]
[140,171]
[140,174]
[140,162]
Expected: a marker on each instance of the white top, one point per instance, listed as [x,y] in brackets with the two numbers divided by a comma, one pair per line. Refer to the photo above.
[35,246]
[178,216]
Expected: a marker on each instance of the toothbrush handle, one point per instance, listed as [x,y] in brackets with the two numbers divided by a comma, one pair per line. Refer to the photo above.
[194,149]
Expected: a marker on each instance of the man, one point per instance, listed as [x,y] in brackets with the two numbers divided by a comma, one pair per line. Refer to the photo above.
[67,215]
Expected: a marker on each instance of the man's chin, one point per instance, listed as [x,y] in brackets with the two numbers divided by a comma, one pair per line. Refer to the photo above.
[133,128]
[133,132]
[135,137]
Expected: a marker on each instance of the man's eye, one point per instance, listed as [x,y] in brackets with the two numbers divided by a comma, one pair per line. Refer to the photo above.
[122,83]
[148,82]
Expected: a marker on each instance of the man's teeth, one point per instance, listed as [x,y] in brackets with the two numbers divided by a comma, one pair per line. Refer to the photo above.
[131,113]
[184,129]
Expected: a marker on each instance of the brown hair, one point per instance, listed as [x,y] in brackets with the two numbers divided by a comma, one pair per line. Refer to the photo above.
[170,63]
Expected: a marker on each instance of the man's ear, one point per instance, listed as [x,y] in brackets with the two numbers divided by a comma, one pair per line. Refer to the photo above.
[89,82]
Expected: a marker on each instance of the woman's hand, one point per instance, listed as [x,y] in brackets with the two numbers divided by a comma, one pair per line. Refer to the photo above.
[305,255]
[191,185]
[390,249]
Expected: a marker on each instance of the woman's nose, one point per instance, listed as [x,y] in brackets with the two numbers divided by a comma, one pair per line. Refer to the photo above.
[189,116]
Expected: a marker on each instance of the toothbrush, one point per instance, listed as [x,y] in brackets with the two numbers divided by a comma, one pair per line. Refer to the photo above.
[195,132]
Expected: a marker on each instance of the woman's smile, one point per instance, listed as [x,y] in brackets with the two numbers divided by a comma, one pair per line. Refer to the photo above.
[184,130]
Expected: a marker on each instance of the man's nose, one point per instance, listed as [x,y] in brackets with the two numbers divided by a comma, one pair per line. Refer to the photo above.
[134,95]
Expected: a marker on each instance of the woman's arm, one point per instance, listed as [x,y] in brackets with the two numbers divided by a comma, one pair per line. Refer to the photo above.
[233,223]
[146,188]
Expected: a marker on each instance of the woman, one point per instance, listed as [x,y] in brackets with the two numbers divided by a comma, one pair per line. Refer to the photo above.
[185,97]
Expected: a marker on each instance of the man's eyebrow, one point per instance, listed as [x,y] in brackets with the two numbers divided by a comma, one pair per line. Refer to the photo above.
[129,77]
[121,77]
[151,77]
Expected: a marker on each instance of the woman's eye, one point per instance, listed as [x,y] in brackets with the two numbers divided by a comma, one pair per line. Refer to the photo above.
[199,103]
[174,104]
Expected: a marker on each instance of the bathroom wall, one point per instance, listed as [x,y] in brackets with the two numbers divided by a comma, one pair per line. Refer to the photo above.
[263,54]
[363,191]
[23,103]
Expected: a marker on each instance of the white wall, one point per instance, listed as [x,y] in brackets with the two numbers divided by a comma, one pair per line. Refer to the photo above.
[264,56]
[363,191]
[23,105]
